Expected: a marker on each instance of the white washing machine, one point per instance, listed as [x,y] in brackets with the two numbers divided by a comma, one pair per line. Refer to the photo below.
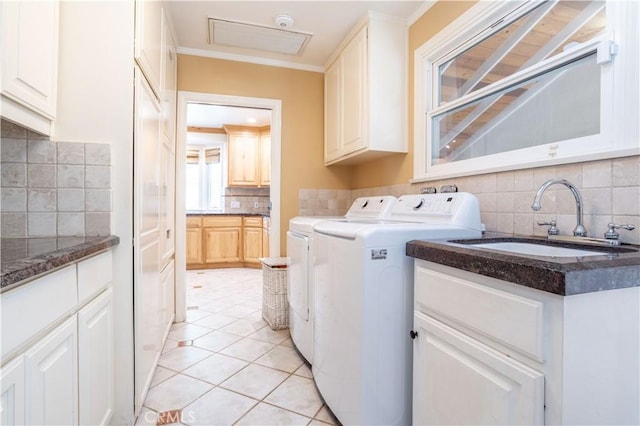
[364,304]
[300,269]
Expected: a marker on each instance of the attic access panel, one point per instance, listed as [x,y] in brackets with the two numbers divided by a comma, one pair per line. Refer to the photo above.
[257,37]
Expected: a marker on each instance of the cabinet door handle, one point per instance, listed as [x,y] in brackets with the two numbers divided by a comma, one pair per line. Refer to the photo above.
[413,334]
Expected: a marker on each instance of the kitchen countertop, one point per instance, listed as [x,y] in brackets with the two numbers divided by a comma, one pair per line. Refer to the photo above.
[207,213]
[25,258]
[559,275]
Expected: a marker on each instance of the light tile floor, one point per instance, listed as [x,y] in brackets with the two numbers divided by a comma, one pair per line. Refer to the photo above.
[224,365]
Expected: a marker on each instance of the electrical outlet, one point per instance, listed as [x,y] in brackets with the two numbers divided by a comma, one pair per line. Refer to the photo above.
[256,205]
[235,204]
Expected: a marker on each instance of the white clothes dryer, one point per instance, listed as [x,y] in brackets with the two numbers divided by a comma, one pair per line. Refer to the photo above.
[300,267]
[363,284]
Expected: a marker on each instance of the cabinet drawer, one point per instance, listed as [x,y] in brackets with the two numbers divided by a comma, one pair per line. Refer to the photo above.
[94,275]
[252,221]
[194,221]
[511,320]
[33,307]
[221,221]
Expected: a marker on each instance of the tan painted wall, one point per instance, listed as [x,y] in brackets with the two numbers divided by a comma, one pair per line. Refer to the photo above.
[302,95]
[399,168]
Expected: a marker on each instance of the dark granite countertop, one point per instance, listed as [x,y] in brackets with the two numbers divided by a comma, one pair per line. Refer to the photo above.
[25,258]
[619,268]
[205,213]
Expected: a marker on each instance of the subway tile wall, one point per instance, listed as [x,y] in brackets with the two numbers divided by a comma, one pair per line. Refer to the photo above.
[53,189]
[610,190]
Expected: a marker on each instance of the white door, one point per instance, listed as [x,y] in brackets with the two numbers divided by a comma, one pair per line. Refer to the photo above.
[95,358]
[460,381]
[52,377]
[12,395]
[147,296]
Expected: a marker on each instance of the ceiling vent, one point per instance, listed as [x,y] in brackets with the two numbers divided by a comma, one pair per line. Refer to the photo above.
[257,37]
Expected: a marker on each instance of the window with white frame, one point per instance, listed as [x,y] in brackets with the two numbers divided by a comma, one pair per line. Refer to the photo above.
[522,84]
[204,178]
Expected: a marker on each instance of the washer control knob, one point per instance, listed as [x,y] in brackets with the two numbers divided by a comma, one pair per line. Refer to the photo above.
[417,206]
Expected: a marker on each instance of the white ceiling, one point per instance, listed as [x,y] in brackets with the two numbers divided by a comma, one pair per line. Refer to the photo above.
[329,21]
[203,115]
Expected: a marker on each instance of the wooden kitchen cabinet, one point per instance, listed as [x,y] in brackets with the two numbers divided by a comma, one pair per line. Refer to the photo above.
[222,239]
[365,93]
[29,49]
[252,235]
[249,156]
[194,240]
[225,241]
[265,156]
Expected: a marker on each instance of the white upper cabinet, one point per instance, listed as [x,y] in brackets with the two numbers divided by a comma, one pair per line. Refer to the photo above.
[148,45]
[366,93]
[30,63]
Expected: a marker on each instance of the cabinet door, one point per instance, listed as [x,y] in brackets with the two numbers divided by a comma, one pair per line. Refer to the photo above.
[148,41]
[243,159]
[458,380]
[52,377]
[168,295]
[167,199]
[223,245]
[265,159]
[354,62]
[30,60]
[95,360]
[194,246]
[265,243]
[252,244]
[12,398]
[332,112]
[169,85]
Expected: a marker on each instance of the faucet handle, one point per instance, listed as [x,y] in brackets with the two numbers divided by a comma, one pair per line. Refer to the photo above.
[552,227]
[611,233]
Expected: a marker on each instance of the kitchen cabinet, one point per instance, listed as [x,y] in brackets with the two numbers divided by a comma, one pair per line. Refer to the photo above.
[194,240]
[148,41]
[252,239]
[266,229]
[51,369]
[222,239]
[265,156]
[58,347]
[249,156]
[365,93]
[30,63]
[490,351]
[96,360]
[12,393]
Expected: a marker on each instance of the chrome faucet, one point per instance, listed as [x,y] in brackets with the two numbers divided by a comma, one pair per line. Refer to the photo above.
[579,230]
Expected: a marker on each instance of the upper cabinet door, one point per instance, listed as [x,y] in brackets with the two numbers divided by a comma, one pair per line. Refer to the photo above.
[354,80]
[148,44]
[30,62]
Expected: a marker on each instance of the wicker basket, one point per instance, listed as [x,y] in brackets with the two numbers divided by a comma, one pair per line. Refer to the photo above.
[275,306]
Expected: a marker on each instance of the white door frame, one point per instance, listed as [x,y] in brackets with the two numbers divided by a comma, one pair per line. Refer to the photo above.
[275,105]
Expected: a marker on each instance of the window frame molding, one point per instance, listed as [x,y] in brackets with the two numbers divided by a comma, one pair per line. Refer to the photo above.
[620,104]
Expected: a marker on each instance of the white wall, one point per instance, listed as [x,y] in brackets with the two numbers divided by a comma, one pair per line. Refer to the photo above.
[95,104]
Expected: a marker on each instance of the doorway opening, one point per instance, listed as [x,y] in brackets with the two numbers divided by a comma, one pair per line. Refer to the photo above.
[201,136]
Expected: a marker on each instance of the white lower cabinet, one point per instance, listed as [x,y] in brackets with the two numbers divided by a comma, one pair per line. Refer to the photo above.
[493,352]
[96,363]
[458,380]
[51,371]
[60,372]
[12,397]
